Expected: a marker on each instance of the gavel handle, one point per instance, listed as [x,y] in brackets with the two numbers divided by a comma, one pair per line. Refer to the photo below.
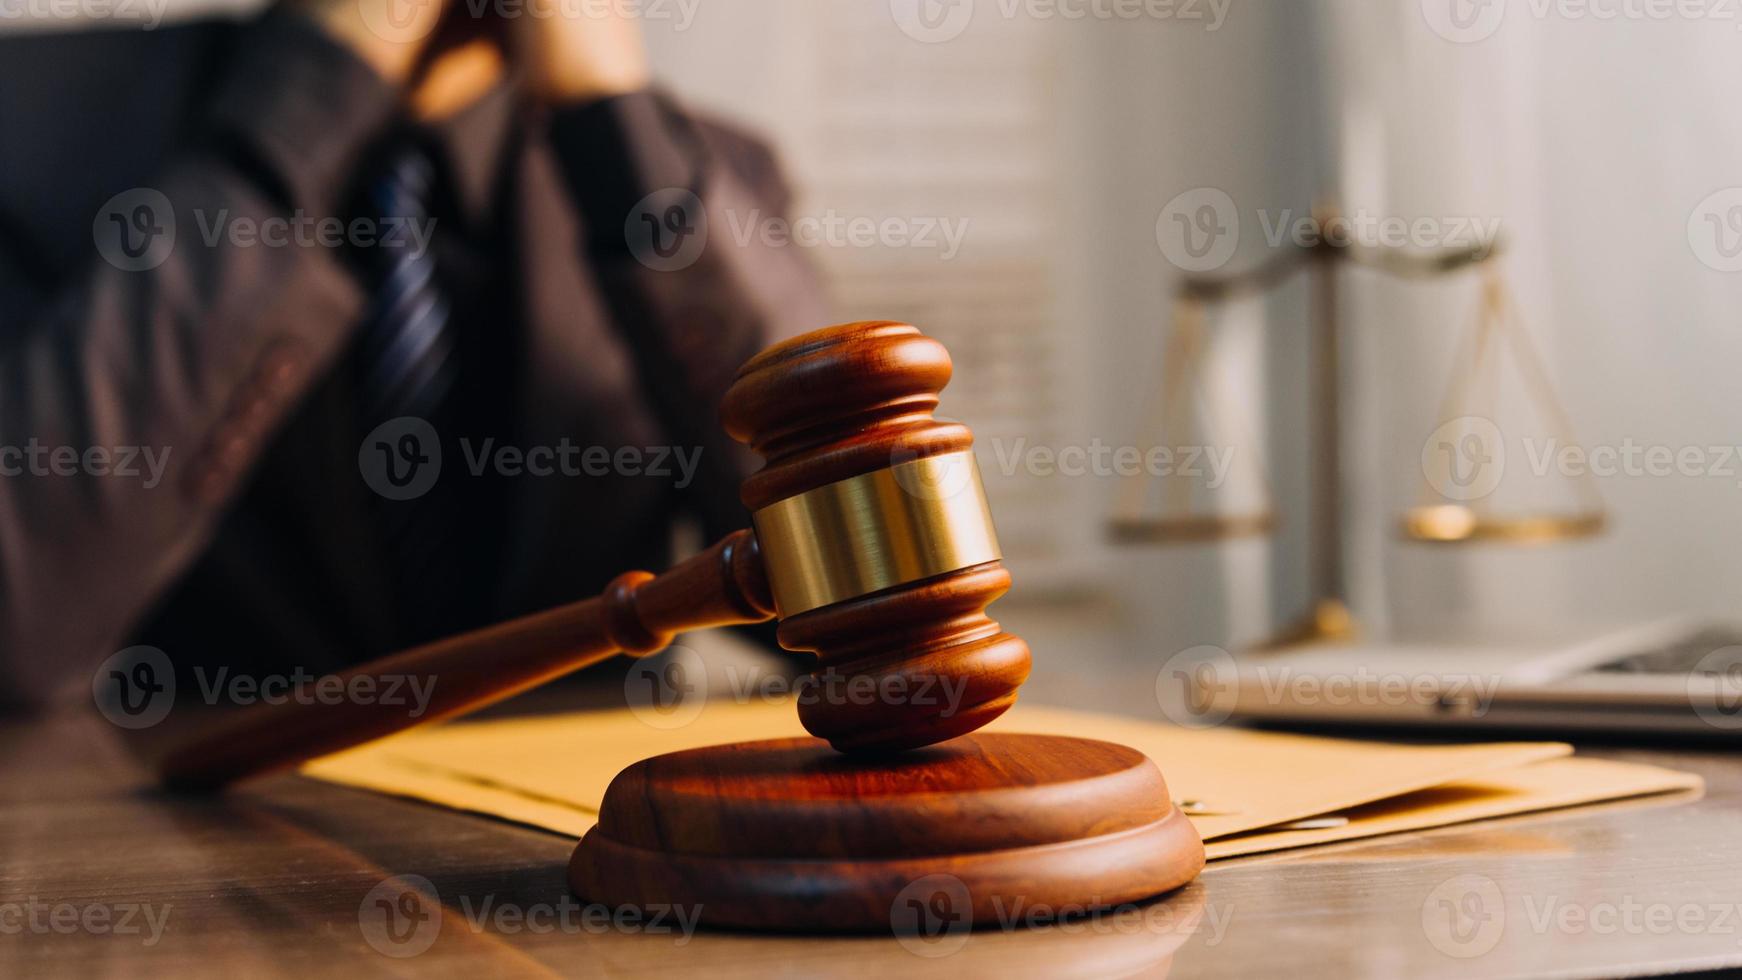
[638,614]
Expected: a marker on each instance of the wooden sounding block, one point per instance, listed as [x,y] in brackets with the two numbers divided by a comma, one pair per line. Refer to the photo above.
[881,559]
[787,834]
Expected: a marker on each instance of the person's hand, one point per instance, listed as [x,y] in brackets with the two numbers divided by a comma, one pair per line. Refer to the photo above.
[572,57]
[389,35]
[457,76]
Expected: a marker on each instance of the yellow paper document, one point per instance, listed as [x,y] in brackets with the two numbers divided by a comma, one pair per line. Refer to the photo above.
[552,771]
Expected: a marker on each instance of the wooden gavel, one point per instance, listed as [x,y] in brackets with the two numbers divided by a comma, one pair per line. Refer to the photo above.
[872,543]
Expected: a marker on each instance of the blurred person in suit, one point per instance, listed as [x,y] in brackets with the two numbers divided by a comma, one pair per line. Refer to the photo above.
[406,319]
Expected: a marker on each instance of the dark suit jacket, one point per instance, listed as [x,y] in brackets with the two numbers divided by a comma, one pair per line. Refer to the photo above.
[256,545]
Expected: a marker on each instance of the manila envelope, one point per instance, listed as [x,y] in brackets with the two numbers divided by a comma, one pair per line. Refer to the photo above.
[551,771]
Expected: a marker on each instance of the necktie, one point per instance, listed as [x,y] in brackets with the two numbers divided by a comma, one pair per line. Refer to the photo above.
[407,366]
[407,351]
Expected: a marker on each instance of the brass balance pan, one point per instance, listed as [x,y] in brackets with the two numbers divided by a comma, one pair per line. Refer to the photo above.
[1457,524]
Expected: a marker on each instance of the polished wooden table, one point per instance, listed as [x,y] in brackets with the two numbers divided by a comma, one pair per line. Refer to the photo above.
[101,875]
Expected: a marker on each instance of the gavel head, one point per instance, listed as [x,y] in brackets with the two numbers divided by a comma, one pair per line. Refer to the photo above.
[876,538]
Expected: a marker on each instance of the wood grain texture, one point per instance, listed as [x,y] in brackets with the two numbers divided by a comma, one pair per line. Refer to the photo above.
[838,403]
[789,835]
[268,881]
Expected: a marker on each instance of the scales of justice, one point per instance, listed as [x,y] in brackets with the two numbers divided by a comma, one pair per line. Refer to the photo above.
[1173,510]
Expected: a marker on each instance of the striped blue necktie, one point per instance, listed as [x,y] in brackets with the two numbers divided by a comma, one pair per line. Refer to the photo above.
[407,351]
[407,366]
